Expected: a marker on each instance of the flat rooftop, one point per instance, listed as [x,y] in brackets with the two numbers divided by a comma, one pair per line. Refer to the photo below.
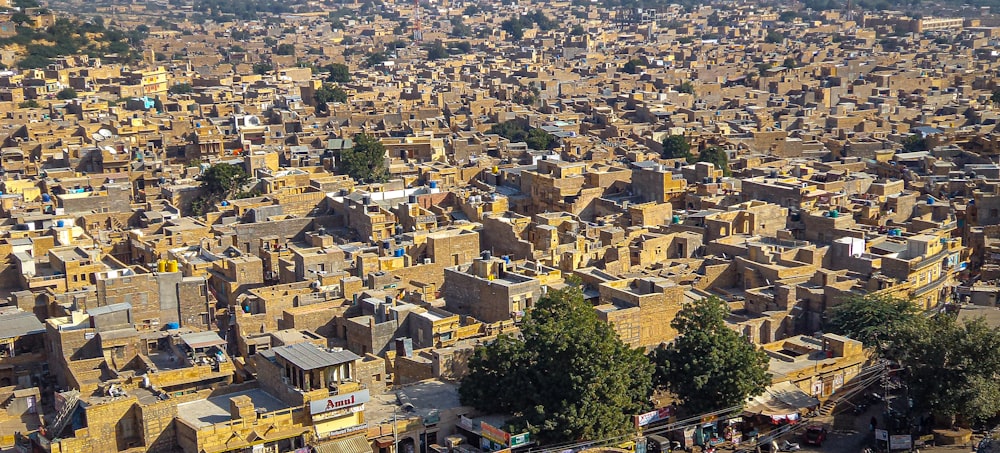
[215,410]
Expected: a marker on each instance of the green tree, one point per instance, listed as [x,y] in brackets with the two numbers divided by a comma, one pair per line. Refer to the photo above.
[568,378]
[686,87]
[461,47]
[339,73]
[285,49]
[774,37]
[262,68]
[540,140]
[676,147]
[223,180]
[180,88]
[577,30]
[996,96]
[869,318]
[790,63]
[436,51]
[375,59]
[365,162]
[717,156]
[66,94]
[20,18]
[632,66]
[29,104]
[709,366]
[330,93]
[914,143]
[458,28]
[514,28]
[952,366]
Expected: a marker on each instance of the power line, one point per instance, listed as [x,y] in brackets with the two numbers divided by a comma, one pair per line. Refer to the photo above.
[868,375]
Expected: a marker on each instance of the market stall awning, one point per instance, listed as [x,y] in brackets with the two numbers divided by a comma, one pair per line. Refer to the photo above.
[781,400]
[353,444]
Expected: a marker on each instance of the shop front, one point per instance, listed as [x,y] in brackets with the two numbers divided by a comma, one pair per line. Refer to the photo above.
[339,423]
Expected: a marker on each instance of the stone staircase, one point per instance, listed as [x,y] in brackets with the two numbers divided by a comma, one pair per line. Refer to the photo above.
[66,414]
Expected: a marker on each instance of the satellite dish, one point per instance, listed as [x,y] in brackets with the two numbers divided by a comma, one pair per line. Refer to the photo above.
[96,136]
[110,150]
[252,121]
[105,133]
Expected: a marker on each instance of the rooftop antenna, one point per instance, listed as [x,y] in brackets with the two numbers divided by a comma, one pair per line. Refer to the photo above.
[418,35]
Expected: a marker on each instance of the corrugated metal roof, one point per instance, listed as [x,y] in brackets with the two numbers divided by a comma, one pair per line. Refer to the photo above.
[308,356]
[19,323]
[353,444]
[109,309]
[202,339]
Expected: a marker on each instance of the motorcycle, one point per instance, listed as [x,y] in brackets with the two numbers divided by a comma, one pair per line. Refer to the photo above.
[789,446]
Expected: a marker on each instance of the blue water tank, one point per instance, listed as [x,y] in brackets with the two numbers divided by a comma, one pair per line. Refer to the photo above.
[60,223]
[399,253]
[930,199]
[46,197]
[173,326]
[225,203]
[434,184]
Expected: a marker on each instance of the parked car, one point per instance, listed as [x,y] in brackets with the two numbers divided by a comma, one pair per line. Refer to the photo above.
[815,435]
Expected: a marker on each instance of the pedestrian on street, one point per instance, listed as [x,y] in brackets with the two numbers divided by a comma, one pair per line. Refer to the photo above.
[873,424]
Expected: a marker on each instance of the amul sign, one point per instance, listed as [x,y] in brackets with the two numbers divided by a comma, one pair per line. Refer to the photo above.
[339,402]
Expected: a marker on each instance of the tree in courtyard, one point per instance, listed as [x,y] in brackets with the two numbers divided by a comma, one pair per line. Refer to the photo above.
[66,94]
[870,318]
[717,156]
[995,97]
[568,377]
[914,142]
[540,140]
[632,66]
[676,147]
[364,162]
[686,87]
[223,180]
[709,366]
[436,51]
[339,73]
[329,93]
[180,88]
[952,366]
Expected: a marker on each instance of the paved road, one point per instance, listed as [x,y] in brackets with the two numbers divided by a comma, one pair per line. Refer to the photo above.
[849,433]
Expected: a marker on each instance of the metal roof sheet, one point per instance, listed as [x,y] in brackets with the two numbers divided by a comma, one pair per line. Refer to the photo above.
[19,324]
[308,356]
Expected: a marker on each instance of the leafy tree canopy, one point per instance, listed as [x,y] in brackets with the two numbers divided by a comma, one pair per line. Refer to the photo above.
[709,366]
[339,73]
[180,88]
[436,51]
[952,365]
[519,131]
[568,378]
[717,156]
[870,318]
[224,180]
[364,162]
[676,147]
[914,143]
[632,66]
